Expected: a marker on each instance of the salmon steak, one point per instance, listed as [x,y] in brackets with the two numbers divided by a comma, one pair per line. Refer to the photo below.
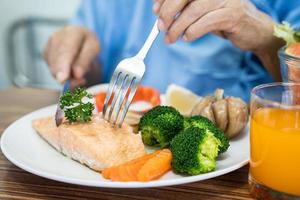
[96,144]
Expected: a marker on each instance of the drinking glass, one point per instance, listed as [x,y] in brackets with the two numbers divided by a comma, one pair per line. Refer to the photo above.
[290,66]
[275,141]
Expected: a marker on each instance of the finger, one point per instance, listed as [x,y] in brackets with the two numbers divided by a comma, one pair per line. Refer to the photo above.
[221,34]
[218,20]
[63,51]
[191,13]
[88,53]
[66,52]
[157,5]
[168,12]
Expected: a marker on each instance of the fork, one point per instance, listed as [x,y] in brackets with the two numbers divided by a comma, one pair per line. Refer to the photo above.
[126,79]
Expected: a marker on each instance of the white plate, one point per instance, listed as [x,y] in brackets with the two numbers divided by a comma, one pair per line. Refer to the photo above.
[23,147]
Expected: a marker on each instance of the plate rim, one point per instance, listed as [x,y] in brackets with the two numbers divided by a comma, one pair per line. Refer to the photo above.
[104,184]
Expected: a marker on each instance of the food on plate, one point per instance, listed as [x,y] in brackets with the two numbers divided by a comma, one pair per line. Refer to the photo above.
[147,96]
[204,108]
[133,118]
[238,116]
[99,100]
[146,168]
[194,151]
[195,141]
[159,125]
[156,166]
[181,98]
[119,154]
[77,106]
[127,171]
[220,113]
[96,143]
[230,114]
[210,128]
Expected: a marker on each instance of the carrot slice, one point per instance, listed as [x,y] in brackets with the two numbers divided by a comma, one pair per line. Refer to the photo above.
[129,170]
[99,99]
[106,172]
[149,94]
[156,166]
[143,93]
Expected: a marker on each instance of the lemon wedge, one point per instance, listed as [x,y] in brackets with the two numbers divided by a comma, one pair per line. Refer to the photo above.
[181,98]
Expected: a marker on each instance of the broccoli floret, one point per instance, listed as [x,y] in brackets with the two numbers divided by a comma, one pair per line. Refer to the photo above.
[204,123]
[186,123]
[159,125]
[194,151]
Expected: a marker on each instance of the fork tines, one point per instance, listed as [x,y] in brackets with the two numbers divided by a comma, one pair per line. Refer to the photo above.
[119,95]
[125,80]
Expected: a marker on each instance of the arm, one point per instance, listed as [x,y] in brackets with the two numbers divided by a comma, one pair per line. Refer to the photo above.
[267,51]
[269,57]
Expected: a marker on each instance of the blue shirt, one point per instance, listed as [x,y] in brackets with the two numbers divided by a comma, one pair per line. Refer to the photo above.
[208,63]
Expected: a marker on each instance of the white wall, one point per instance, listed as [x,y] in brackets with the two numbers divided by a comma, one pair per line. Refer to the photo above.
[12,10]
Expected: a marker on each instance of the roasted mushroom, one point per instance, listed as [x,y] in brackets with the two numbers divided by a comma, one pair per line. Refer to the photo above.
[204,102]
[219,94]
[230,114]
[221,113]
[208,112]
[237,116]
[204,108]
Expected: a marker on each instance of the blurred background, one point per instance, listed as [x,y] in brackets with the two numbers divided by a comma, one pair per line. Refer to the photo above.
[24,30]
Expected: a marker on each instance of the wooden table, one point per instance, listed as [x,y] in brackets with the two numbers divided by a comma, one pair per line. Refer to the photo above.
[16,183]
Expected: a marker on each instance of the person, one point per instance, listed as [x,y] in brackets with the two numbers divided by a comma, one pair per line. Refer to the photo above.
[203,44]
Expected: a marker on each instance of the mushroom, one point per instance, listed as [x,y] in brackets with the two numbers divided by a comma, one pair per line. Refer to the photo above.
[219,94]
[229,114]
[221,113]
[208,112]
[237,116]
[204,102]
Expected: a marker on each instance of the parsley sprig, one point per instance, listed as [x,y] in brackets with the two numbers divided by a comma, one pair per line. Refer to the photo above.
[74,106]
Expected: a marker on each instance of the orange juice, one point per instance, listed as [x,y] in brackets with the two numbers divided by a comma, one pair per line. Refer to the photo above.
[275,149]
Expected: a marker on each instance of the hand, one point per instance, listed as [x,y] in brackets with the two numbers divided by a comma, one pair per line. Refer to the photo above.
[236,20]
[70,53]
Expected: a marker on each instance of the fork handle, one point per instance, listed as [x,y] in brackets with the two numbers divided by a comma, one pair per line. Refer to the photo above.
[152,36]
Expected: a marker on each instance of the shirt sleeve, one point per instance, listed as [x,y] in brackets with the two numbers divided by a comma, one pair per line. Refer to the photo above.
[281,10]
[91,14]
[288,11]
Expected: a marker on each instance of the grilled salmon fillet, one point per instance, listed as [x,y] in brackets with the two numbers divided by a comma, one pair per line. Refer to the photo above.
[96,144]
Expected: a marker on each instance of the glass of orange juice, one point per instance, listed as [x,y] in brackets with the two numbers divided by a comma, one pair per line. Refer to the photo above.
[275,141]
